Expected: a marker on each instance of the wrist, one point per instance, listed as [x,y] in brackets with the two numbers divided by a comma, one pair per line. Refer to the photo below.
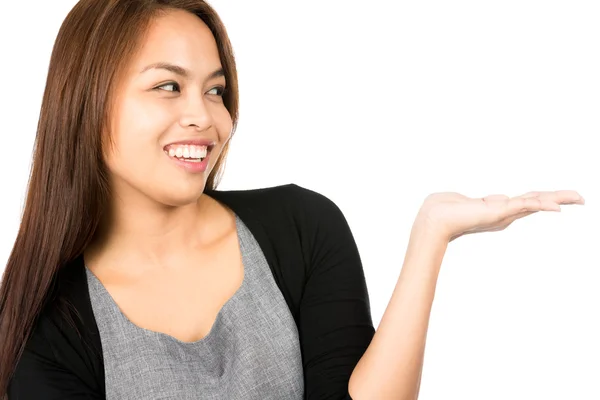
[427,246]
[425,229]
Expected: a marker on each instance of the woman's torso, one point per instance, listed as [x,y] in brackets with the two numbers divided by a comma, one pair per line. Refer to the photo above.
[246,344]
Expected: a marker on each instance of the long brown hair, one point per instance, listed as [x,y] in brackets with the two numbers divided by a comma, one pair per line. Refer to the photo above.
[68,188]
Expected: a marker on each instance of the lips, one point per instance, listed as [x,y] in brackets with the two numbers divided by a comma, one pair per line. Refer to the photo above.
[191,155]
[191,165]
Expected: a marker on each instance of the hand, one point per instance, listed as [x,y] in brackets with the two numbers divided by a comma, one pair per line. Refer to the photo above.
[454,215]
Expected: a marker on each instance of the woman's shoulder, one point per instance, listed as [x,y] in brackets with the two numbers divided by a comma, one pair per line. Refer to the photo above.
[67,306]
[277,202]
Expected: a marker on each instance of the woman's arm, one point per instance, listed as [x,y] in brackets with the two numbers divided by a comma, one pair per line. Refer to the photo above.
[391,367]
[54,365]
[40,377]
[392,364]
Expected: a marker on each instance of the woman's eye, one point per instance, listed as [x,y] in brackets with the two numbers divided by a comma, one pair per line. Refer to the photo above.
[217,91]
[173,85]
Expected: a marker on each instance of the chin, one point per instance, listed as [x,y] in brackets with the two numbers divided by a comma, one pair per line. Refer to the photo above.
[178,197]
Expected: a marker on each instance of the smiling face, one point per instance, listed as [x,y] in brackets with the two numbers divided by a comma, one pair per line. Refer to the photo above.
[169,123]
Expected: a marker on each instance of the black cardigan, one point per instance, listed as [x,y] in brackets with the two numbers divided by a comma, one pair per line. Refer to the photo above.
[314,260]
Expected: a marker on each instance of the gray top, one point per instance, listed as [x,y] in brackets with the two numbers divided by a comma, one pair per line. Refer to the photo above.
[252,351]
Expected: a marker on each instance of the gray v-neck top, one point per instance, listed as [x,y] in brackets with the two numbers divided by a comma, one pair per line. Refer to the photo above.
[252,351]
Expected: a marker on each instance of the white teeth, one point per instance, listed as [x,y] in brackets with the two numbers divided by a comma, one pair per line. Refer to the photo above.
[188,151]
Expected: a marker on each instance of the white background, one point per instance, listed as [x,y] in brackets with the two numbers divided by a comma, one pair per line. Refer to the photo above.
[376,104]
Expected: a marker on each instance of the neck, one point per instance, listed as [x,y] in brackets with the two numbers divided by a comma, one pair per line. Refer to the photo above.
[140,228]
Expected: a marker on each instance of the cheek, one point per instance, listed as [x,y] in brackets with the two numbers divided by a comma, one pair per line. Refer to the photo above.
[223,124]
[139,126]
[135,135]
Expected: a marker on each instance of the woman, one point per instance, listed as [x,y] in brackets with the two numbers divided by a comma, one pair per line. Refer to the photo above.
[133,277]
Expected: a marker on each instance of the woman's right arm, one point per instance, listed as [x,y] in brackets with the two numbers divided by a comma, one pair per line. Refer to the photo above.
[41,374]
[392,364]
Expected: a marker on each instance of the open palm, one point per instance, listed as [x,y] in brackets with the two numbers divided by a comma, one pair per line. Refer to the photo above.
[457,215]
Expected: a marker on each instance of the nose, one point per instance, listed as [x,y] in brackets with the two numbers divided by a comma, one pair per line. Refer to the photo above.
[196,115]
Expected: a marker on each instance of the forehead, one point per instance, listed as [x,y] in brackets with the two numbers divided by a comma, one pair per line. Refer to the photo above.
[181,38]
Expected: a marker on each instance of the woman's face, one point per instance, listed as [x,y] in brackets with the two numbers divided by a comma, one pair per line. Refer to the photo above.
[169,123]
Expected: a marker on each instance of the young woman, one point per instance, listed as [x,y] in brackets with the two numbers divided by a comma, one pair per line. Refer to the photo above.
[133,277]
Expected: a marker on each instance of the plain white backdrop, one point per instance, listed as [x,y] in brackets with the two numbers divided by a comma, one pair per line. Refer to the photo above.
[377,104]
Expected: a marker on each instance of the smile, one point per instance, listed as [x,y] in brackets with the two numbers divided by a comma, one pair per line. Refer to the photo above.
[192,153]
[191,157]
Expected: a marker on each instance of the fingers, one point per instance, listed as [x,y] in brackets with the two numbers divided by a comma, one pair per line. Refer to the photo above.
[558,196]
[538,203]
[544,201]
[567,197]
[529,195]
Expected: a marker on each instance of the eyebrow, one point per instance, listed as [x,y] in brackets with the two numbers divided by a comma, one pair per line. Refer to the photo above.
[181,71]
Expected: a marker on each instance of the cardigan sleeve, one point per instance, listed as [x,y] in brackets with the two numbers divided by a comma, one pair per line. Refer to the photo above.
[42,374]
[335,323]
